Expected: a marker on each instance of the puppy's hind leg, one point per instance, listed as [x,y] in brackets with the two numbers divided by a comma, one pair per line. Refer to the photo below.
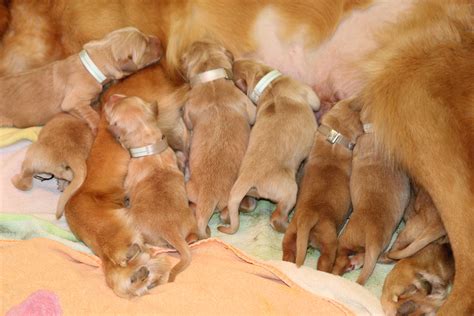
[286,202]
[30,166]
[289,242]
[326,235]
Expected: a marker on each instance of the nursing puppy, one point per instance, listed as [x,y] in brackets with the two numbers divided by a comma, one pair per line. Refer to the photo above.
[61,150]
[379,193]
[422,226]
[154,184]
[219,116]
[280,140]
[97,215]
[418,285]
[70,85]
[324,197]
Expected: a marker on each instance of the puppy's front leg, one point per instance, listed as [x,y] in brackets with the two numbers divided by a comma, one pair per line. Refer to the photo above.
[82,109]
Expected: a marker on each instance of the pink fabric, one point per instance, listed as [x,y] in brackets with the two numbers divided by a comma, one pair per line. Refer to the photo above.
[40,303]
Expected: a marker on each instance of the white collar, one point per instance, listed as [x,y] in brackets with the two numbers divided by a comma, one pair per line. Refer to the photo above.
[263,84]
[334,136]
[210,75]
[368,128]
[153,149]
[91,67]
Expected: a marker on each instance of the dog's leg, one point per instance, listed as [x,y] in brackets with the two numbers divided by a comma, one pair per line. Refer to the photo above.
[285,203]
[289,242]
[342,263]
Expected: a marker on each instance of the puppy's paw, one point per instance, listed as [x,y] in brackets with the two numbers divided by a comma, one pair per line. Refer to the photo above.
[123,256]
[22,183]
[279,223]
[61,184]
[141,275]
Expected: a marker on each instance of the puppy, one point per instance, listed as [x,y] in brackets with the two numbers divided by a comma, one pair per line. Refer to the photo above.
[71,84]
[219,116]
[418,285]
[280,140]
[379,194]
[97,215]
[422,227]
[154,183]
[324,196]
[61,150]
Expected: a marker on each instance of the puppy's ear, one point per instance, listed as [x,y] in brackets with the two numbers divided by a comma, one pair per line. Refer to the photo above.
[154,108]
[113,99]
[242,85]
[356,105]
[229,55]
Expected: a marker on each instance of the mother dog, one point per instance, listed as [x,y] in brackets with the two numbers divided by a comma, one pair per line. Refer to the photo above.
[411,63]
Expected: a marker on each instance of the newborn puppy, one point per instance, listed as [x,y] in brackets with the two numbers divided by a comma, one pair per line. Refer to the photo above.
[61,150]
[219,116]
[379,194]
[97,215]
[324,196]
[71,84]
[154,184]
[422,227]
[418,285]
[280,140]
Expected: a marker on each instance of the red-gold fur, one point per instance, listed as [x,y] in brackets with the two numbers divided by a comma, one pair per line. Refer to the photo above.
[420,92]
[280,140]
[219,115]
[155,186]
[324,196]
[62,149]
[379,194]
[418,285]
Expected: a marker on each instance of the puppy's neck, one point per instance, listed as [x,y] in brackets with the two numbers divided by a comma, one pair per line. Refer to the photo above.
[102,58]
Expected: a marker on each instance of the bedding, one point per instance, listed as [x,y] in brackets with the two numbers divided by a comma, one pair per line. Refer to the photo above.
[31,215]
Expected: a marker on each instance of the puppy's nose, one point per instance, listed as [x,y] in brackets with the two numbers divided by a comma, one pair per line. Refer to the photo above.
[156,44]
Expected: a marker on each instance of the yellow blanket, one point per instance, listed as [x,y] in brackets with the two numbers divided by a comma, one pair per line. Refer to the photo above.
[11,135]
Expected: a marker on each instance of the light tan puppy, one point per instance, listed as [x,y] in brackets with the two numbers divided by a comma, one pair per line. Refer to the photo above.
[97,215]
[61,150]
[418,285]
[422,227]
[68,86]
[155,185]
[280,140]
[380,193]
[219,116]
[324,197]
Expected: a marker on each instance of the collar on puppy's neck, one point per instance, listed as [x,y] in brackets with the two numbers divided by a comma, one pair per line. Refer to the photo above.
[91,67]
[211,75]
[368,128]
[263,84]
[334,136]
[153,149]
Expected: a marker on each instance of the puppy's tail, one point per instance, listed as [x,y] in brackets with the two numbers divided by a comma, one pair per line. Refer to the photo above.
[373,249]
[79,169]
[239,190]
[182,247]
[304,225]
[426,237]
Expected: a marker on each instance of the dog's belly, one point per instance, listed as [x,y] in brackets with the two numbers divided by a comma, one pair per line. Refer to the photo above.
[332,68]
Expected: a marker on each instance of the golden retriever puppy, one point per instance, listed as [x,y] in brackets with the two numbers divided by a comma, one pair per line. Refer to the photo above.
[420,92]
[324,197]
[379,194]
[280,140]
[70,85]
[61,150]
[154,184]
[219,115]
[418,285]
[422,227]
[97,215]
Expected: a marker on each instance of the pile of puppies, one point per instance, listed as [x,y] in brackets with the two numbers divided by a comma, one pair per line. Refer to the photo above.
[138,177]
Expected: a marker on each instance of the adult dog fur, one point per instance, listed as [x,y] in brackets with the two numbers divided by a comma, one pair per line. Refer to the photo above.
[302,39]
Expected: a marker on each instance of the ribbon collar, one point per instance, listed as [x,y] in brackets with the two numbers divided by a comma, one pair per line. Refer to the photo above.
[153,149]
[334,136]
[263,84]
[211,75]
[91,67]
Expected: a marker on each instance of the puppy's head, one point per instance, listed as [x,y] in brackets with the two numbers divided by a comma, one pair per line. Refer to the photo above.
[345,118]
[131,120]
[202,56]
[124,51]
[247,73]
